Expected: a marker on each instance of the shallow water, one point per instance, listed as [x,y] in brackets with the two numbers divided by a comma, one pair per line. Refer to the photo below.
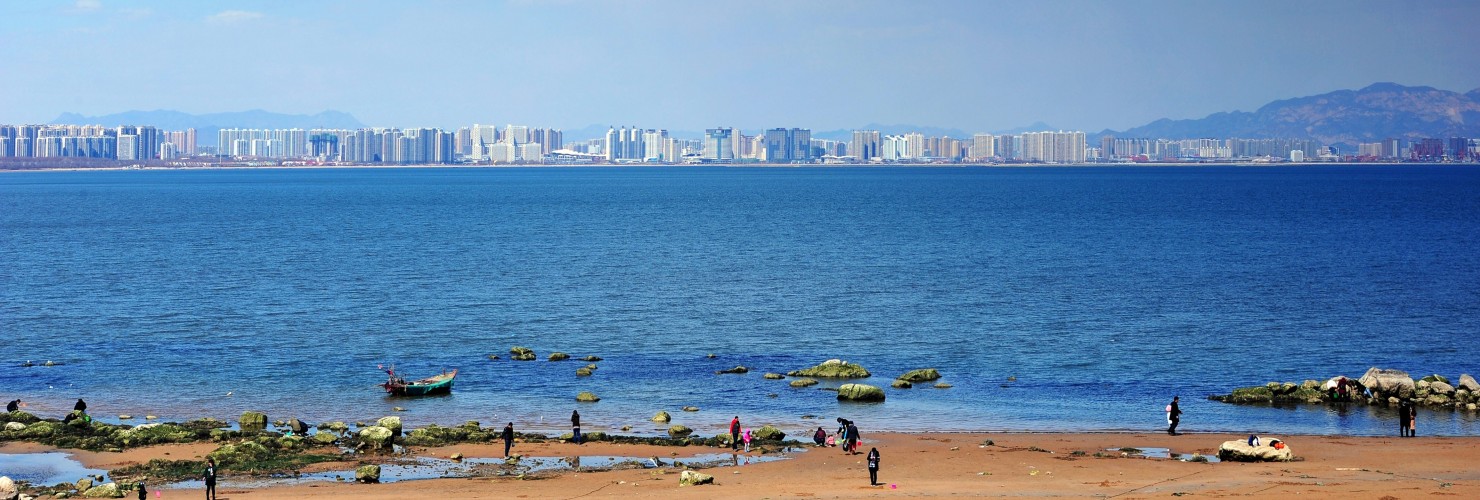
[1104,291]
[45,469]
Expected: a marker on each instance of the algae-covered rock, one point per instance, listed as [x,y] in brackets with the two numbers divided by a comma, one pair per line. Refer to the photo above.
[832,368]
[921,375]
[942,385]
[522,353]
[587,397]
[325,437]
[252,421]
[773,376]
[583,372]
[768,433]
[737,369]
[692,478]
[690,408]
[393,423]
[434,435]
[106,490]
[860,392]
[901,384]
[1435,378]
[1245,395]
[679,431]
[662,417]
[558,356]
[369,473]
[376,437]
[803,382]
[83,484]
[591,359]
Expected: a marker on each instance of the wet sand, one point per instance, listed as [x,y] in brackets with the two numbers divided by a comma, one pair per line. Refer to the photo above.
[936,465]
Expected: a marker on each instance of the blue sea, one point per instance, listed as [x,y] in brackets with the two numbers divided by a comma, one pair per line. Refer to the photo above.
[1051,299]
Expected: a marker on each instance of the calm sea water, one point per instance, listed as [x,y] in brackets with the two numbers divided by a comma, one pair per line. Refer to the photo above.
[1104,291]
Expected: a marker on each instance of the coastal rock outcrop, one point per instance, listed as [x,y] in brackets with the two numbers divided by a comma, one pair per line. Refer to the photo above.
[8,489]
[1388,382]
[1241,451]
[860,392]
[736,369]
[1468,383]
[692,478]
[105,490]
[591,359]
[921,375]
[367,473]
[901,384]
[833,368]
[679,431]
[773,376]
[587,397]
[297,426]
[769,433]
[376,437]
[583,371]
[252,421]
[662,417]
[392,423]
[14,426]
[521,353]
[803,382]
[558,356]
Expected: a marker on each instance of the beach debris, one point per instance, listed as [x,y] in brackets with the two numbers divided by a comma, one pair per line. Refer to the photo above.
[522,353]
[833,368]
[920,375]
[1012,378]
[27,364]
[692,478]
[987,443]
[587,397]
[558,356]
[252,421]
[369,473]
[804,382]
[860,392]
[737,369]
[773,395]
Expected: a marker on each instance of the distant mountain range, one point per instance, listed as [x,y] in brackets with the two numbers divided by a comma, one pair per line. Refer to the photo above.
[1346,117]
[207,125]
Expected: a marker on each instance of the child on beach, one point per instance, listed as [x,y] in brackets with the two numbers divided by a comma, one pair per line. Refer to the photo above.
[746,437]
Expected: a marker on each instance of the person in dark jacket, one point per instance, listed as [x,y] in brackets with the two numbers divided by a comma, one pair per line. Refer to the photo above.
[873,466]
[735,434]
[1174,416]
[80,406]
[13,405]
[210,478]
[575,424]
[508,438]
[819,437]
[143,493]
[852,439]
[1405,413]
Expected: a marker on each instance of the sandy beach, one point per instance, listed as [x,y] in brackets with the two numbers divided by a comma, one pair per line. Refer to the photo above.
[934,465]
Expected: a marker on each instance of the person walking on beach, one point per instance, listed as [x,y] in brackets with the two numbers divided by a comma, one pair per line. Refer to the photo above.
[1405,412]
[1174,416]
[508,438]
[575,424]
[735,434]
[852,438]
[873,466]
[143,493]
[210,478]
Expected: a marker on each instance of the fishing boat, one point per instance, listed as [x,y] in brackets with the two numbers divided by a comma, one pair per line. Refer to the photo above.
[436,384]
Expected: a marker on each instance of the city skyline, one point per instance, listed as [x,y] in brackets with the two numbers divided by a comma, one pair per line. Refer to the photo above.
[974,66]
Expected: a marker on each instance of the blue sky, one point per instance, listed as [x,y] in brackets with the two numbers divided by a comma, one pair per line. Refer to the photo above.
[975,65]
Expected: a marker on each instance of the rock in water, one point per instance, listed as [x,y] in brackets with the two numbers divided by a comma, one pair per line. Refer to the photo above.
[803,382]
[736,369]
[690,408]
[692,478]
[773,376]
[559,356]
[769,433]
[376,437]
[583,372]
[1468,383]
[522,353]
[679,431]
[1388,382]
[662,417]
[252,421]
[832,368]
[325,437]
[367,474]
[860,392]
[901,384]
[587,397]
[83,484]
[392,423]
[1441,388]
[942,385]
[592,359]
[297,426]
[921,375]
[1240,451]
[108,490]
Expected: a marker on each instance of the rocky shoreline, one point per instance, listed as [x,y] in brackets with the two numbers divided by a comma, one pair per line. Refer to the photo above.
[1377,386]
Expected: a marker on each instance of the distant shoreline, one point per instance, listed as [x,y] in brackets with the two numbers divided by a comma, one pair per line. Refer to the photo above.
[731,165]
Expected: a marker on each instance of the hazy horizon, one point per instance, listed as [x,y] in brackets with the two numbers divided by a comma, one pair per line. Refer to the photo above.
[974,66]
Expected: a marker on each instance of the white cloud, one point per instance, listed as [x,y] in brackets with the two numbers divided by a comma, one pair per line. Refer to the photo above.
[233,16]
[87,5]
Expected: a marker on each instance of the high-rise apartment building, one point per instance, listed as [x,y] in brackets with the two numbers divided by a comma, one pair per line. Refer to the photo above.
[865,145]
[719,144]
[788,145]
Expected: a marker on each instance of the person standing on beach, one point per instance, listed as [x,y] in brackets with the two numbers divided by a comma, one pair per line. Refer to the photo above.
[143,493]
[210,478]
[735,434]
[1412,419]
[1405,413]
[1174,416]
[873,466]
[852,438]
[746,438]
[508,438]
[575,424]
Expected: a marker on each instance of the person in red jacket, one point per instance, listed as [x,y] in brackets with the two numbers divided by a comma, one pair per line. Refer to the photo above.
[735,434]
